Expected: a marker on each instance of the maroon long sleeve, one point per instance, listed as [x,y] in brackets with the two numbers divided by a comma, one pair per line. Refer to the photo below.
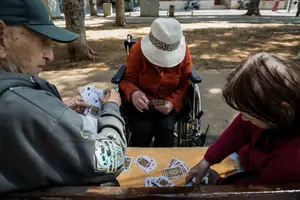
[280,165]
[231,140]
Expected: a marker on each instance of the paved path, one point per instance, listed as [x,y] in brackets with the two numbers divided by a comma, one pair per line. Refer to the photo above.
[232,16]
[216,112]
[218,18]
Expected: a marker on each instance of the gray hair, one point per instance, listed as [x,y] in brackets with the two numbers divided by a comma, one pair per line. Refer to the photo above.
[8,63]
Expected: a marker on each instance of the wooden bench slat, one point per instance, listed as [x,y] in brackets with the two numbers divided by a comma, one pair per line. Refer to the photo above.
[264,192]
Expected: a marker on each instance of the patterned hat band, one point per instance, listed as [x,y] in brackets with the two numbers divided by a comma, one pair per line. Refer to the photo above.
[161,45]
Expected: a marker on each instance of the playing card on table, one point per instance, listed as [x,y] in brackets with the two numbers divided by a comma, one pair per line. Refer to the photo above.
[174,172]
[185,168]
[172,161]
[92,110]
[146,163]
[149,182]
[163,181]
[153,165]
[127,164]
[178,163]
[142,162]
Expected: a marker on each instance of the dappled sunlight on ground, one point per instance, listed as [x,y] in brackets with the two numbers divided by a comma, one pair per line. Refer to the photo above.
[68,82]
[222,24]
[213,45]
[215,90]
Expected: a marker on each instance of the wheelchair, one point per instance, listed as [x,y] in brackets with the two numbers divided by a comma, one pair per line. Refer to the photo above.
[187,130]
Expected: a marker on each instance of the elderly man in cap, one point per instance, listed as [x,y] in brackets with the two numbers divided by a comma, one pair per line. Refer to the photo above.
[43,142]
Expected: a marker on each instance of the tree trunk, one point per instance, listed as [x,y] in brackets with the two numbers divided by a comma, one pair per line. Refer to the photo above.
[53,8]
[120,13]
[93,7]
[74,15]
[253,8]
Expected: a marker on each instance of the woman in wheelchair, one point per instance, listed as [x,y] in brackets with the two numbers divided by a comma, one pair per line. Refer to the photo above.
[155,83]
[265,89]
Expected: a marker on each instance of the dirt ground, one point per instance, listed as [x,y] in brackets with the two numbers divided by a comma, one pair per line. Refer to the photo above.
[213,45]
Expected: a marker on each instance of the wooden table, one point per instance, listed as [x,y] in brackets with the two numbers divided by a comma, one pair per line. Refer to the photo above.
[132,183]
[191,156]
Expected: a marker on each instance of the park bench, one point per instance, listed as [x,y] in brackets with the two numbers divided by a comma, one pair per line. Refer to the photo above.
[132,183]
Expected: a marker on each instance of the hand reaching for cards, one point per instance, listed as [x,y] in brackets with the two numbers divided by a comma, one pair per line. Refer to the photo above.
[198,171]
[140,101]
[213,177]
[111,95]
[166,108]
[77,104]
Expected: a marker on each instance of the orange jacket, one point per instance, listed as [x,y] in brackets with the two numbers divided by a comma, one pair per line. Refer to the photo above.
[170,84]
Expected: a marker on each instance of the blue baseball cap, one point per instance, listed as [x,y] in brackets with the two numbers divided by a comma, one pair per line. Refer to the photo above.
[33,15]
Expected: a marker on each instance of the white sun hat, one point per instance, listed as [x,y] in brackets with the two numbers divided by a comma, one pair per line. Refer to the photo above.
[165,45]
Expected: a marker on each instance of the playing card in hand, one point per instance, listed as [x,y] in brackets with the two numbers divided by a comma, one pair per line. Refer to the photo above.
[91,95]
[205,179]
[157,102]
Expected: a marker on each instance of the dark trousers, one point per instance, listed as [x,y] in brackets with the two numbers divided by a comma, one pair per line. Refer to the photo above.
[143,126]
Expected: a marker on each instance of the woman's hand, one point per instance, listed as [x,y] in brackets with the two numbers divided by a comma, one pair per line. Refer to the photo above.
[140,101]
[111,95]
[213,177]
[198,171]
[77,104]
[166,108]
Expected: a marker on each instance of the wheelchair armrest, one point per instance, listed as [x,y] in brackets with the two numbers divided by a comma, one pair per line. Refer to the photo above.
[116,79]
[194,76]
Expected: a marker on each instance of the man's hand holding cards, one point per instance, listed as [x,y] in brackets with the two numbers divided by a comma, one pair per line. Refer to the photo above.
[91,95]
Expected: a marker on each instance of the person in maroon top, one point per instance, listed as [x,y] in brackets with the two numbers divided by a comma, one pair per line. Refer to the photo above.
[265,89]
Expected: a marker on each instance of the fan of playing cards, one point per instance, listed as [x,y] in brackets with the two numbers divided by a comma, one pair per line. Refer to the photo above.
[176,169]
[91,95]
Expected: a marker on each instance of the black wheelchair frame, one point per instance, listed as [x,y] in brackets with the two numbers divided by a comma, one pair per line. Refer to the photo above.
[188,127]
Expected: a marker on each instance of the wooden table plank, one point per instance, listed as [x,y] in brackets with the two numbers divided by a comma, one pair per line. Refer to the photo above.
[191,156]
